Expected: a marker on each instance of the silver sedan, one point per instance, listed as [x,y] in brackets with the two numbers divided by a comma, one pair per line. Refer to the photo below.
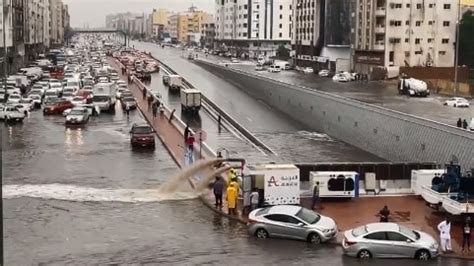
[293,222]
[388,240]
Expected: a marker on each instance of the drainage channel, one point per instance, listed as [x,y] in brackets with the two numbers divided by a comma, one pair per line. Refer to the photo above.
[227,121]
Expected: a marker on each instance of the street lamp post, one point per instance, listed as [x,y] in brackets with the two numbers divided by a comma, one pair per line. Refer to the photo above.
[5,70]
[456,57]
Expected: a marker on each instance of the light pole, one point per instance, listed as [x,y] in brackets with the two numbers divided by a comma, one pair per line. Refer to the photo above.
[456,57]
[5,12]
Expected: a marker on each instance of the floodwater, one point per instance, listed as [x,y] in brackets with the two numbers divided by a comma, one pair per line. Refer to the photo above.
[292,141]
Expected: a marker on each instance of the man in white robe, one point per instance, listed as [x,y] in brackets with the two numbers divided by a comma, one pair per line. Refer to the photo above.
[445,235]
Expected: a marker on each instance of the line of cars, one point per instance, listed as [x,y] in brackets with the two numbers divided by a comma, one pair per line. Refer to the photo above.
[378,240]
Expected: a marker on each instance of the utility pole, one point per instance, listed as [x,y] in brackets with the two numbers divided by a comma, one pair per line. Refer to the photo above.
[5,71]
[456,57]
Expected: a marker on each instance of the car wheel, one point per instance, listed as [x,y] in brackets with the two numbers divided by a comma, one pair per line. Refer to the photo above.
[455,105]
[314,238]
[364,254]
[261,233]
[422,255]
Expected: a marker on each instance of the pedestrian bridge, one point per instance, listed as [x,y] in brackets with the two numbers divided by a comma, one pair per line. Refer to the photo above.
[97,30]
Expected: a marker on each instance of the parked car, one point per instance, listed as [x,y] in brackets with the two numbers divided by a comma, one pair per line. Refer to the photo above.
[324,73]
[142,135]
[130,100]
[36,100]
[340,77]
[57,107]
[9,113]
[308,70]
[14,98]
[294,222]
[259,67]
[25,105]
[234,60]
[457,102]
[78,100]
[274,69]
[388,240]
[77,116]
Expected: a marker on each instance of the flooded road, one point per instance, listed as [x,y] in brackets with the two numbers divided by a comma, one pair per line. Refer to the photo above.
[292,141]
[83,197]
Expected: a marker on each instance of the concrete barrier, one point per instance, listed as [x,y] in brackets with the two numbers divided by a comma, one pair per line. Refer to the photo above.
[390,134]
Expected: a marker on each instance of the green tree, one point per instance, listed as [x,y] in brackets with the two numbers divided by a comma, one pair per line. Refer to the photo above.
[283,53]
[466,39]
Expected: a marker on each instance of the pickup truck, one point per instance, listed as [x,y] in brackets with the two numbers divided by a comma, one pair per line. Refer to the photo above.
[11,114]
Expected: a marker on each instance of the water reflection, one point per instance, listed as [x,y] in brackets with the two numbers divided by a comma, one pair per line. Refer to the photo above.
[73,137]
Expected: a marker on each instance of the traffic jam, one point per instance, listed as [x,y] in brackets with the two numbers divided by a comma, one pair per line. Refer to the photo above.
[77,83]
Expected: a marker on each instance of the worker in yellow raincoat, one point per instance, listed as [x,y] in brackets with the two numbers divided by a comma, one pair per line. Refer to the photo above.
[232,179]
[231,199]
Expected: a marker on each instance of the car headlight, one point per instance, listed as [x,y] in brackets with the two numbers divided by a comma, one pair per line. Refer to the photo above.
[434,246]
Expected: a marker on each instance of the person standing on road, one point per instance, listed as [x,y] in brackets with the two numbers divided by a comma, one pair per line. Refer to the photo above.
[464,124]
[218,189]
[444,229]
[231,199]
[466,235]
[254,197]
[459,124]
[384,213]
[315,196]
[127,110]
[190,142]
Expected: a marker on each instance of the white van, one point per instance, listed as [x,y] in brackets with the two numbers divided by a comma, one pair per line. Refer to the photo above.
[335,184]
[283,65]
[274,69]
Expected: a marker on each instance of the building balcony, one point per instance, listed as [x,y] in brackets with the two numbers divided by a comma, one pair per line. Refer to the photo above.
[380,12]
[380,29]
[380,46]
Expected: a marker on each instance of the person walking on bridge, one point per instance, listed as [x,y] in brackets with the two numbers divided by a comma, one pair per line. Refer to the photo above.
[459,124]
[231,199]
[466,235]
[154,109]
[186,133]
[464,124]
[144,93]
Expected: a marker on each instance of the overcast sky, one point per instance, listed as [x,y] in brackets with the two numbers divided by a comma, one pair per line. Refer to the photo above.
[93,12]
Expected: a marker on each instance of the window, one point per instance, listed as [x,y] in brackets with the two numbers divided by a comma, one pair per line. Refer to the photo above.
[281,35]
[418,6]
[418,23]
[245,6]
[442,52]
[245,25]
[281,25]
[431,5]
[407,54]
[407,22]
[281,16]
[281,7]
[417,41]
[308,216]
[398,5]
[445,40]
[407,40]
[245,15]
[447,6]
[376,236]
[430,40]
[258,15]
[282,218]
[393,236]
[445,23]
[258,6]
[418,52]
[408,5]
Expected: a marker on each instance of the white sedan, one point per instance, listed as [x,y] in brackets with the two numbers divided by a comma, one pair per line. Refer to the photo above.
[457,102]
[324,73]
[308,70]
[340,78]
[14,98]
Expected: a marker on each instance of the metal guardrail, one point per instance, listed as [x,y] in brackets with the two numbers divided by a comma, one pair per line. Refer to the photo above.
[371,107]
[233,122]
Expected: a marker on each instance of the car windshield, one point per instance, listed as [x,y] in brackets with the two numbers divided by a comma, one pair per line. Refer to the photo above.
[358,231]
[262,211]
[129,99]
[25,101]
[50,93]
[67,94]
[76,112]
[410,233]
[14,96]
[78,99]
[100,98]
[142,130]
[308,216]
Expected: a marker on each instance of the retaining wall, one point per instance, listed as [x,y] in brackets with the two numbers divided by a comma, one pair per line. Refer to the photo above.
[392,135]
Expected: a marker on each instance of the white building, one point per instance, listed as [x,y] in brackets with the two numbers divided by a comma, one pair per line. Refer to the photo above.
[37,23]
[254,27]
[56,19]
[404,33]
[8,26]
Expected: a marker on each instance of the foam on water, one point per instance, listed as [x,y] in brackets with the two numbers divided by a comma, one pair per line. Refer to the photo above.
[77,193]
[314,135]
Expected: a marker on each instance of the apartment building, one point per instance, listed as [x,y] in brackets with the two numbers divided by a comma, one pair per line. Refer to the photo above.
[161,21]
[208,35]
[307,28]
[404,33]
[253,28]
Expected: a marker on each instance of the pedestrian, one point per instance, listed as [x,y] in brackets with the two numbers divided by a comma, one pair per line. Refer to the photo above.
[254,198]
[466,235]
[154,109]
[444,229]
[127,110]
[218,189]
[186,133]
[384,213]
[315,196]
[231,199]
[190,142]
[464,124]
[144,93]
[150,101]
[459,124]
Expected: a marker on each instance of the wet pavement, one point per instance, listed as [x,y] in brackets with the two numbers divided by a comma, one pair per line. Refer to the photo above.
[84,197]
[382,93]
[292,141]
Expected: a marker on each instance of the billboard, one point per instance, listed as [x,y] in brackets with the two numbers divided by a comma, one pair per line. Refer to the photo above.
[282,186]
[337,23]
